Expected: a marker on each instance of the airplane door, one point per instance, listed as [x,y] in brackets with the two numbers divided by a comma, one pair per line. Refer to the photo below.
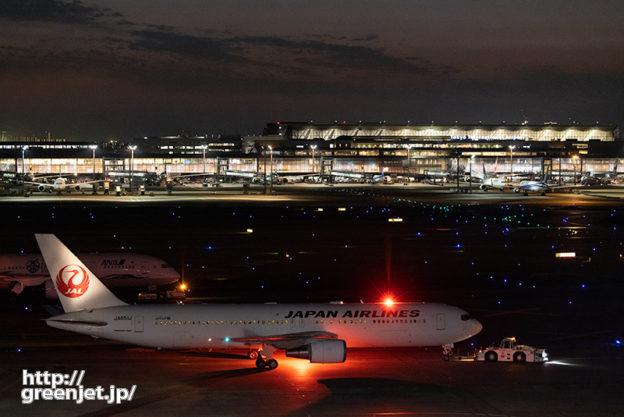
[440,322]
[138,323]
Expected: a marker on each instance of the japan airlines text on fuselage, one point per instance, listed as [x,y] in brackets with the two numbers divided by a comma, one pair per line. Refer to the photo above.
[318,332]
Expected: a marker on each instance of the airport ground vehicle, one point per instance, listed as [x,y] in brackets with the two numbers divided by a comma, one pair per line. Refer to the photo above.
[509,351]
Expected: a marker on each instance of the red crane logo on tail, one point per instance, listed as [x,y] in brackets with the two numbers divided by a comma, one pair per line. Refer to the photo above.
[72,281]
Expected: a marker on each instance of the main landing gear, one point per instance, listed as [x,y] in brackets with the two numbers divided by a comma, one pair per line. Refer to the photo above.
[264,357]
[447,351]
[270,363]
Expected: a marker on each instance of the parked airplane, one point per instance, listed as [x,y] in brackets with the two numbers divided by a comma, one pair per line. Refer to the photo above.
[116,269]
[526,186]
[491,181]
[60,184]
[317,332]
[348,176]
[541,187]
[497,183]
[437,177]
[598,178]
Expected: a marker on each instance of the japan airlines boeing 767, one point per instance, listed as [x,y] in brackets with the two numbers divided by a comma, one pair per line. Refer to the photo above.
[317,332]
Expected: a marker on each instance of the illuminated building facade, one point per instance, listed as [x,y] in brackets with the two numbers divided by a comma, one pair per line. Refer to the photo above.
[305,147]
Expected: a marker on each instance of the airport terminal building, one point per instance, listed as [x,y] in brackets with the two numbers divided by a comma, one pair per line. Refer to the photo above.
[325,149]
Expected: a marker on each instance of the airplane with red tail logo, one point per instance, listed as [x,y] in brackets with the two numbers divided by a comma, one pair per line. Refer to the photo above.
[318,332]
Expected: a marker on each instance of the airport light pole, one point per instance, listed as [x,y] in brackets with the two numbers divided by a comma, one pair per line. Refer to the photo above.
[458,156]
[511,148]
[271,171]
[470,177]
[581,168]
[93,148]
[313,147]
[264,167]
[574,158]
[23,162]
[132,149]
[203,147]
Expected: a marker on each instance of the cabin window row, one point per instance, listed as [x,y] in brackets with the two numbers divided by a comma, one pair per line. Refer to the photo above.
[215,322]
[376,321]
[265,322]
[119,266]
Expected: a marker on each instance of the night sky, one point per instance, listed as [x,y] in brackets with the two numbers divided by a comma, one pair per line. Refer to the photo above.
[98,69]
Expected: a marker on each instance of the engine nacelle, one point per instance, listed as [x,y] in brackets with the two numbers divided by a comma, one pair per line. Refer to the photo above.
[17,287]
[483,187]
[41,188]
[77,187]
[322,351]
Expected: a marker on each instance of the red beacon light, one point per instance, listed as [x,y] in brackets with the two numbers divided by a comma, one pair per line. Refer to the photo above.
[389,302]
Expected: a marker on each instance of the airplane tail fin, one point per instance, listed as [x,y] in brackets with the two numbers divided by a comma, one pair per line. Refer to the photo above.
[77,287]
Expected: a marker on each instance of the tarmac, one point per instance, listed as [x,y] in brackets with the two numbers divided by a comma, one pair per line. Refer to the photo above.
[334,193]
[452,262]
[372,382]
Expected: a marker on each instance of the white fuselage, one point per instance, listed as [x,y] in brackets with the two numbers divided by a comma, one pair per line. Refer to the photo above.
[494,182]
[115,269]
[206,326]
[534,186]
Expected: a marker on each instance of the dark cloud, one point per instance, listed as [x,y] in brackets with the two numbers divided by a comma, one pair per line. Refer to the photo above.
[169,41]
[74,12]
[367,38]
[116,74]
[346,56]
[278,50]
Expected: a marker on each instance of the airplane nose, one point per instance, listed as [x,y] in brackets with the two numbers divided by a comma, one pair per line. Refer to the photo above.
[476,326]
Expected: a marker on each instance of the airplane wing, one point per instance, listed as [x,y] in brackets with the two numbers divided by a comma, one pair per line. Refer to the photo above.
[87,182]
[286,341]
[45,185]
[568,186]
[182,176]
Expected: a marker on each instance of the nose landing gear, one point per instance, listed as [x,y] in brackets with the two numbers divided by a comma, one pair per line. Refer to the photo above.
[447,351]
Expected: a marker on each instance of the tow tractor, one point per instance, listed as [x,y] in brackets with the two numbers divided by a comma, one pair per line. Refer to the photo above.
[509,351]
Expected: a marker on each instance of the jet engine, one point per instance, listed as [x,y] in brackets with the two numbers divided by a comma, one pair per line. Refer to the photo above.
[322,351]
[41,188]
[17,287]
[77,187]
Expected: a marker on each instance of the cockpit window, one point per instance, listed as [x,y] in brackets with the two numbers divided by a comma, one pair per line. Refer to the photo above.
[466,317]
